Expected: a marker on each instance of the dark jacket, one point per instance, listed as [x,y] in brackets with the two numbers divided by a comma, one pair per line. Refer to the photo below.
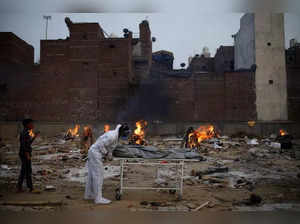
[25,142]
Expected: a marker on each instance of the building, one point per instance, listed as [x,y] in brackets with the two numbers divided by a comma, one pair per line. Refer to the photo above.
[14,50]
[259,45]
[85,77]
[293,81]
[92,77]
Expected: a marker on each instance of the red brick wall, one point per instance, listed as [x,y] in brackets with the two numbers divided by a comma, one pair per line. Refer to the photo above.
[293,88]
[15,50]
[76,81]
[240,96]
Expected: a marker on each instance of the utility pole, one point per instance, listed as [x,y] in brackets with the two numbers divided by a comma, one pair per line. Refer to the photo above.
[47,18]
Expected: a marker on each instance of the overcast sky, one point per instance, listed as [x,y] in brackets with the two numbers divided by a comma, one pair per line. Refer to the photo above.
[184,34]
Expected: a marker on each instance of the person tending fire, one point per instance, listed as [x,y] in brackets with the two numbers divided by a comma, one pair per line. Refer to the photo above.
[102,148]
[26,139]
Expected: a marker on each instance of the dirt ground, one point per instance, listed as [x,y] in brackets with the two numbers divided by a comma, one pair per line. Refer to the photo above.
[223,182]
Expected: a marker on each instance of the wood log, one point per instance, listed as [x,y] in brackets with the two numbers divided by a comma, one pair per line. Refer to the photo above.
[201,206]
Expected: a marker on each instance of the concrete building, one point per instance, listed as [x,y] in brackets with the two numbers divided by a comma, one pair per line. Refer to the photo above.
[259,45]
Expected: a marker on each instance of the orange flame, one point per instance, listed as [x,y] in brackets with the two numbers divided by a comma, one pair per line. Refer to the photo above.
[138,136]
[87,131]
[31,133]
[106,128]
[282,132]
[201,134]
[74,132]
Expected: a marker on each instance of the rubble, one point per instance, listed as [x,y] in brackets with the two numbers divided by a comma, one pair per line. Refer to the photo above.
[253,142]
[232,167]
[50,188]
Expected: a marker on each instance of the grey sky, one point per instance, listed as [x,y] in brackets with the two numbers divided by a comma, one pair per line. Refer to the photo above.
[184,34]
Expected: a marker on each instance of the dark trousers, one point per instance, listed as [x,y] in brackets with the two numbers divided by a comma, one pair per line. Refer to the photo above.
[25,173]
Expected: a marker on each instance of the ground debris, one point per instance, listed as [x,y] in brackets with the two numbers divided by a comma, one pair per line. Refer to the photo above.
[32,203]
[253,200]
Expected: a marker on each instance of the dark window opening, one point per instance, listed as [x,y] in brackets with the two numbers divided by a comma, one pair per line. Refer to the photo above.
[112,46]
[84,36]
[271,82]
[115,73]
[204,68]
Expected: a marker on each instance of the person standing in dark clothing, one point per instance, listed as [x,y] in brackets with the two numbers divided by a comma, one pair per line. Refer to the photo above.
[26,139]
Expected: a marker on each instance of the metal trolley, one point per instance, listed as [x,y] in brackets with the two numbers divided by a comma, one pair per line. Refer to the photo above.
[177,166]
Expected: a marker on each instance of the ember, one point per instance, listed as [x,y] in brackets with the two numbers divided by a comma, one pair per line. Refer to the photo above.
[201,134]
[72,133]
[106,128]
[138,137]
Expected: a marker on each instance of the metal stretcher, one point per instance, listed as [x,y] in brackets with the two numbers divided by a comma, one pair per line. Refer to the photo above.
[177,166]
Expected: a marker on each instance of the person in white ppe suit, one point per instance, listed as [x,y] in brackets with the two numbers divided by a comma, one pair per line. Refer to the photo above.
[102,148]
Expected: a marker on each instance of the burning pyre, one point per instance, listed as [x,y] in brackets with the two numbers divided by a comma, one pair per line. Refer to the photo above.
[138,137]
[72,133]
[285,139]
[31,133]
[193,138]
[106,128]
[282,132]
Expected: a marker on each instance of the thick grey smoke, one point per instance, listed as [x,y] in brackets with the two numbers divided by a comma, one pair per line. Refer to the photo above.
[147,102]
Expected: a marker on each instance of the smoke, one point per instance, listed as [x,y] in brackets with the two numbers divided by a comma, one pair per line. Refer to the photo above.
[148,102]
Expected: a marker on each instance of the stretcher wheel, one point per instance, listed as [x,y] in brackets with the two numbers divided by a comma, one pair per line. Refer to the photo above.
[118,195]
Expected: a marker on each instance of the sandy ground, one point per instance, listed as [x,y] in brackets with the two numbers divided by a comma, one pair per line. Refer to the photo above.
[266,172]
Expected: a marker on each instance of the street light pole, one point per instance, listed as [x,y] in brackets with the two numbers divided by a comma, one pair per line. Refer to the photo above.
[47,18]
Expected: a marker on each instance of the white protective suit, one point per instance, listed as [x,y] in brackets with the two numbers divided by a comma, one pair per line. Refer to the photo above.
[102,147]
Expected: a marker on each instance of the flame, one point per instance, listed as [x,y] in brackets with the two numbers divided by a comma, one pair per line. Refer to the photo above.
[87,131]
[282,132]
[138,136]
[106,128]
[74,132]
[31,133]
[201,134]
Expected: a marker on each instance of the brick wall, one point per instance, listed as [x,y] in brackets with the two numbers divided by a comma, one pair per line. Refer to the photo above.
[240,96]
[224,59]
[15,50]
[207,97]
